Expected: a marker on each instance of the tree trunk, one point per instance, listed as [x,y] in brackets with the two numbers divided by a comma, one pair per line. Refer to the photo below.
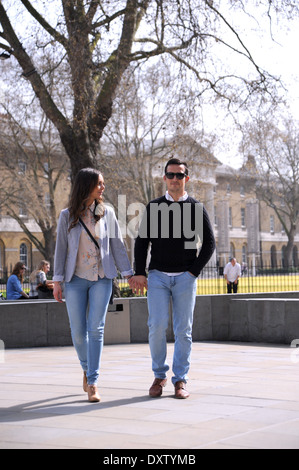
[50,238]
[288,260]
[78,150]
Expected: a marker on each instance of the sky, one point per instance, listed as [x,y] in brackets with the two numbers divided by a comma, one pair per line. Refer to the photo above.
[278,56]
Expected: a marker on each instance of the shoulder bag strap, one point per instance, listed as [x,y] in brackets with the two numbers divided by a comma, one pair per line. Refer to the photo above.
[93,239]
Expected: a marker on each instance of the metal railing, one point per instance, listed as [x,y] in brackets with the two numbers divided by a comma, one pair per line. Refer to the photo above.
[211,281]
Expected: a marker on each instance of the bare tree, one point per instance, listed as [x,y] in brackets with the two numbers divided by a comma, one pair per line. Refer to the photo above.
[33,164]
[148,112]
[277,173]
[94,42]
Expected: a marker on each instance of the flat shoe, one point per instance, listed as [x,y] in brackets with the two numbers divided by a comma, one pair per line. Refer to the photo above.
[93,394]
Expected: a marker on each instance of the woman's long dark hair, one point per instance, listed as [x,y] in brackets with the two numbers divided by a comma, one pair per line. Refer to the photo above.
[17,270]
[85,182]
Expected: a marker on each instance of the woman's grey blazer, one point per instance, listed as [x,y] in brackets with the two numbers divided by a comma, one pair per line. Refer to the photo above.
[113,252]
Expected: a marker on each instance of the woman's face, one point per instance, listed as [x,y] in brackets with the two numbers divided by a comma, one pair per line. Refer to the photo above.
[97,192]
[22,270]
[46,268]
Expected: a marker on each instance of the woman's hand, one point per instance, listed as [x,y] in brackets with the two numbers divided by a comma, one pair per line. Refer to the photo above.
[138,284]
[57,291]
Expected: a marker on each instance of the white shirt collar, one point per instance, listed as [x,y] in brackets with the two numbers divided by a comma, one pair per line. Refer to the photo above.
[170,198]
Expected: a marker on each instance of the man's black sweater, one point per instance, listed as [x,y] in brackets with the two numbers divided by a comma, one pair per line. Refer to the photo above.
[170,228]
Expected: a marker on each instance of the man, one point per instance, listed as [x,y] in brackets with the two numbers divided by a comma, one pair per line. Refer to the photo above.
[172,225]
[232,272]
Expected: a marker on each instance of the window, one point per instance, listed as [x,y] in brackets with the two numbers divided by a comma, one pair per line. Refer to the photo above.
[24,254]
[242,191]
[21,167]
[46,170]
[273,257]
[283,256]
[295,256]
[22,210]
[47,201]
[271,223]
[243,216]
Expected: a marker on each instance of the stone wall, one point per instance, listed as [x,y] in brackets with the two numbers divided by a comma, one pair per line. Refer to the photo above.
[268,318]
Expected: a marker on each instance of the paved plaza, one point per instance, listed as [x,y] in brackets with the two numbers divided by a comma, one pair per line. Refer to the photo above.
[243,396]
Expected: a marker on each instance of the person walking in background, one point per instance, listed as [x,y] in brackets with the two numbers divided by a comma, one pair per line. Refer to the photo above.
[40,286]
[232,272]
[173,270]
[89,246]
[14,289]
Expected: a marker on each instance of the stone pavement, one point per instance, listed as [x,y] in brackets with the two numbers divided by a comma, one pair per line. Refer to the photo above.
[243,396]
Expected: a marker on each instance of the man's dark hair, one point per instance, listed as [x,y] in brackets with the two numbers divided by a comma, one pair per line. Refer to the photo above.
[176,161]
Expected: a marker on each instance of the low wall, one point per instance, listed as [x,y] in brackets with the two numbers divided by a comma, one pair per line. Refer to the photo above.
[270,318]
[247,317]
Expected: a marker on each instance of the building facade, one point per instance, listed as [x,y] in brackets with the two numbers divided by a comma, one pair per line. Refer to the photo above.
[245,227]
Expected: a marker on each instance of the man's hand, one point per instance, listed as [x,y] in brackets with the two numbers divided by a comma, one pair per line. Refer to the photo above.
[138,284]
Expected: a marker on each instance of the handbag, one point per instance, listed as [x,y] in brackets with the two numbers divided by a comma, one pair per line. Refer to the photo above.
[115,285]
[44,292]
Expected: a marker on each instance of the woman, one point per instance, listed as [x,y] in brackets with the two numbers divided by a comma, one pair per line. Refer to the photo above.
[40,287]
[87,270]
[14,289]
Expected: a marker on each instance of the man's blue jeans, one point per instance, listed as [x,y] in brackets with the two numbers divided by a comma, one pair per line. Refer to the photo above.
[87,304]
[182,290]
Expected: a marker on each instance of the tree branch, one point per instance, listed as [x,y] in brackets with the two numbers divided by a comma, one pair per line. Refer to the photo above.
[39,18]
[29,71]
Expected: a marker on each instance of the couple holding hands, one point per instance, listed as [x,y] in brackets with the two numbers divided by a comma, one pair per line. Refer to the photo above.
[90,250]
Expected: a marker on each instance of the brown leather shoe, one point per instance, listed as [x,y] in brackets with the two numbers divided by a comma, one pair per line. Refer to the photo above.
[85,385]
[93,394]
[157,388]
[180,390]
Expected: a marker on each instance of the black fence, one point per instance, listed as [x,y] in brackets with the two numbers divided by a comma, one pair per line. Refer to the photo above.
[211,281]
[253,279]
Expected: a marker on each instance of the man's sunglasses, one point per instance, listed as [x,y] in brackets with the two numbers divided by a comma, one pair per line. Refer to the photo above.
[179,176]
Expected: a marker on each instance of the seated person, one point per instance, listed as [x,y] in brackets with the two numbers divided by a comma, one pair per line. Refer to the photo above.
[40,287]
[14,290]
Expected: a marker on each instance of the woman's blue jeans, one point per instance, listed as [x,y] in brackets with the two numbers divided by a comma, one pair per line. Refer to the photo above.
[87,304]
[182,290]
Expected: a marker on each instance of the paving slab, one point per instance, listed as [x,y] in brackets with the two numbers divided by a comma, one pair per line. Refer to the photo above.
[242,396]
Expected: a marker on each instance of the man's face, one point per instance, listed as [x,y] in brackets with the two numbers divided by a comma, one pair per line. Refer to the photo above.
[233,262]
[175,185]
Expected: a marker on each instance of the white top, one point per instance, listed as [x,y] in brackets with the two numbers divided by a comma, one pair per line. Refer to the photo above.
[182,198]
[232,272]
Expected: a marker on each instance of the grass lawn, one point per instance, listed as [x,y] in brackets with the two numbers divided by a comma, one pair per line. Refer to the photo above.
[250,284]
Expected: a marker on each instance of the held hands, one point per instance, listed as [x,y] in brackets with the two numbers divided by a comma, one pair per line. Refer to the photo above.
[57,291]
[138,284]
